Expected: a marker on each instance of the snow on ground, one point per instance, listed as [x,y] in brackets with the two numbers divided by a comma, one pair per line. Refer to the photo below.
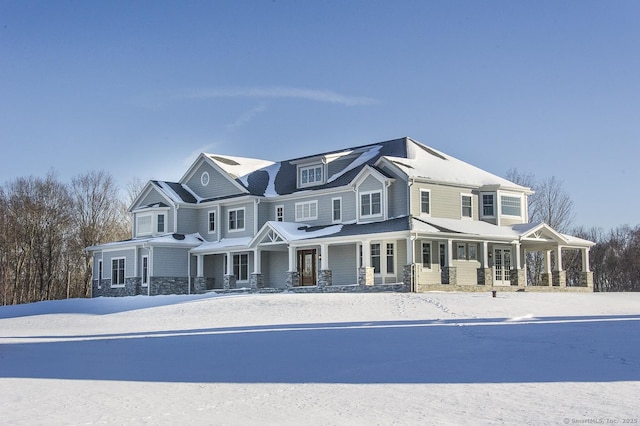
[290,359]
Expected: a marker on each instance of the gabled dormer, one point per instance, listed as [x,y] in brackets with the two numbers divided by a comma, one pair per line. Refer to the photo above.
[371,187]
[310,172]
[152,211]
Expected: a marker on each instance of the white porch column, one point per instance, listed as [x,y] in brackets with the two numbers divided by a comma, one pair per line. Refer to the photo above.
[449,252]
[411,247]
[485,254]
[292,258]
[200,265]
[585,259]
[256,261]
[366,254]
[547,261]
[229,263]
[517,250]
[558,252]
[324,256]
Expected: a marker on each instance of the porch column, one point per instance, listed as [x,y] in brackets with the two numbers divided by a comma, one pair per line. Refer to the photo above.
[293,277]
[256,280]
[545,277]
[449,274]
[449,252]
[411,247]
[517,274]
[200,265]
[485,273]
[485,254]
[585,259]
[229,279]
[559,276]
[256,261]
[324,257]
[200,282]
[586,276]
[365,273]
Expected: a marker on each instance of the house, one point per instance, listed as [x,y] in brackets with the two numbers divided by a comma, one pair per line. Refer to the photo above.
[390,216]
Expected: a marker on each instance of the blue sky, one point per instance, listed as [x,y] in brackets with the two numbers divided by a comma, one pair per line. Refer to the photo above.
[138,88]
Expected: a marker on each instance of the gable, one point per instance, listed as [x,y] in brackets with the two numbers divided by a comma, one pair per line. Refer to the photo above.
[208,181]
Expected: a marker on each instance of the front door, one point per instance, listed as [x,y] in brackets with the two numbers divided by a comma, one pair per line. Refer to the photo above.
[502,266]
[307,267]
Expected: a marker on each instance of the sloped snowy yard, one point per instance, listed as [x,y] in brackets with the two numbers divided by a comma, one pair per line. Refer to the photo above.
[433,358]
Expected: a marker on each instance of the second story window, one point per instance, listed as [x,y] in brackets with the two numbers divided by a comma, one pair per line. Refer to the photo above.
[336,205]
[212,222]
[160,223]
[467,209]
[425,202]
[280,213]
[371,204]
[307,210]
[510,206]
[488,205]
[236,220]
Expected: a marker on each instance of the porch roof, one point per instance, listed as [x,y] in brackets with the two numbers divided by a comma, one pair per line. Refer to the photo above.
[178,240]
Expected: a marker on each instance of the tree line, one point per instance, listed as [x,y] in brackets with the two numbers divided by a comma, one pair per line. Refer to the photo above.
[45,226]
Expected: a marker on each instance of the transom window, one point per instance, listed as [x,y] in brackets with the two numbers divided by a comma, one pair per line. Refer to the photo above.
[510,206]
[117,271]
[467,209]
[236,220]
[425,201]
[371,204]
[307,210]
[311,175]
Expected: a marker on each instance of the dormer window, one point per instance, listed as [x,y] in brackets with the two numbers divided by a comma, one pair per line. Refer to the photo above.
[151,221]
[310,175]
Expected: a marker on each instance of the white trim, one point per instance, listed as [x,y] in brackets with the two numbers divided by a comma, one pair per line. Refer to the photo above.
[333,218]
[300,216]
[430,244]
[513,196]
[142,277]
[494,196]
[139,233]
[279,206]
[215,223]
[244,219]
[124,275]
[314,182]
[204,178]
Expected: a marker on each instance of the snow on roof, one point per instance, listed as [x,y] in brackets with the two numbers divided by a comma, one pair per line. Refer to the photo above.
[299,231]
[224,243]
[425,162]
[238,167]
[187,240]
[367,155]
[170,192]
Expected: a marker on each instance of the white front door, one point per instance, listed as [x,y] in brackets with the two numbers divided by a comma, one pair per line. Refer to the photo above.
[502,266]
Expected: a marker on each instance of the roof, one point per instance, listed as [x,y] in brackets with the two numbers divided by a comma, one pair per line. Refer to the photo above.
[178,240]
[270,179]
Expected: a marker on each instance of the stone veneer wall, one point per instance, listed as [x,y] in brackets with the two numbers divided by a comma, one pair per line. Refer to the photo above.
[485,276]
[325,278]
[168,285]
[256,281]
[366,276]
[559,278]
[518,277]
[132,287]
[229,282]
[449,275]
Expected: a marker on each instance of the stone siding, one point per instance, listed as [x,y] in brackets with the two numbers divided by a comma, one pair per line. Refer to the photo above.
[325,278]
[168,285]
[366,276]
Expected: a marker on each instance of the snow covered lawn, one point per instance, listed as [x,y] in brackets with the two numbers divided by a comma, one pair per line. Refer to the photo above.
[291,359]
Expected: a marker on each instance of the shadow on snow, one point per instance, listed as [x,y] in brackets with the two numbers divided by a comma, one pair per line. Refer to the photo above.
[558,349]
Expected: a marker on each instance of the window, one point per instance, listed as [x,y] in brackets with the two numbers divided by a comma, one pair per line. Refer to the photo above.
[212,222]
[144,224]
[241,266]
[117,271]
[467,210]
[204,179]
[336,205]
[310,175]
[510,206]
[307,210]
[443,255]
[99,269]
[426,255]
[145,270]
[462,252]
[371,204]
[488,208]
[280,213]
[236,220]
[160,223]
[425,207]
[375,258]
[390,259]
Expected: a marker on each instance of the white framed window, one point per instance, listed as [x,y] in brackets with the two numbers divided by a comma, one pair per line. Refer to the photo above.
[160,224]
[425,201]
[371,204]
[145,271]
[99,271]
[466,202]
[211,221]
[204,178]
[462,252]
[236,219]
[117,271]
[336,210]
[280,213]
[307,210]
[511,206]
[241,266]
[144,224]
[426,255]
[310,175]
[391,259]
[473,251]
[488,205]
